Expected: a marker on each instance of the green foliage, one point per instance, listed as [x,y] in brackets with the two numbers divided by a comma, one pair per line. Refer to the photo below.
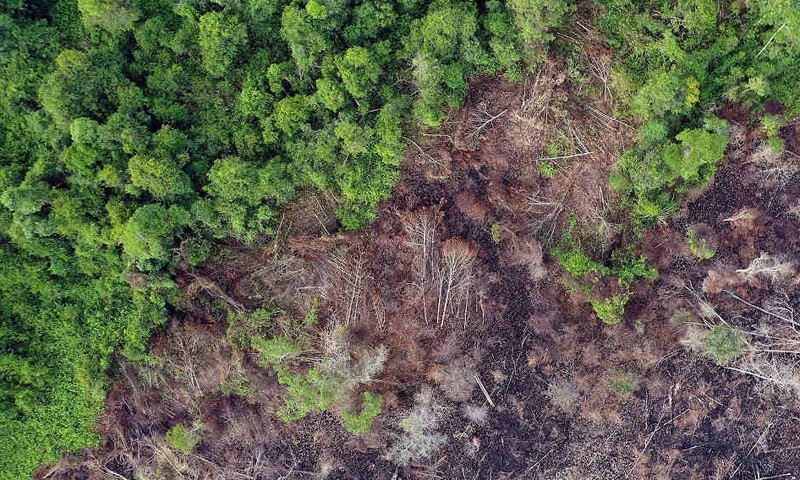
[772,125]
[274,351]
[183,439]
[699,246]
[724,343]
[640,327]
[630,268]
[495,232]
[311,317]
[611,309]
[623,383]
[146,237]
[370,408]
[533,20]
[684,59]
[112,15]
[221,38]
[547,169]
[305,394]
[576,263]
[589,276]
[236,384]
[651,177]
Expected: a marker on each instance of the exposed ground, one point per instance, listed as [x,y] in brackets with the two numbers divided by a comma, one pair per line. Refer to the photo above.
[572,398]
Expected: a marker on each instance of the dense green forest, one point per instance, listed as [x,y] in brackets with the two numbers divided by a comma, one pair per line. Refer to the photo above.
[134,134]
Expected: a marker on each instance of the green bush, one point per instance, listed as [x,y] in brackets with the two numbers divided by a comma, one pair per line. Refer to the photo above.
[184,439]
[495,232]
[360,422]
[699,246]
[576,263]
[725,344]
[630,268]
[610,310]
[623,383]
[274,351]
[305,394]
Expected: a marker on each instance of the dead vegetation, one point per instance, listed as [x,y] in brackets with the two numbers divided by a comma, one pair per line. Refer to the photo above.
[454,283]
[775,169]
[763,341]
[345,285]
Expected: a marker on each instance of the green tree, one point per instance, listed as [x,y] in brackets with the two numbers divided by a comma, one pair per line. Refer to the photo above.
[161,177]
[359,71]
[112,15]
[221,38]
[533,20]
[147,236]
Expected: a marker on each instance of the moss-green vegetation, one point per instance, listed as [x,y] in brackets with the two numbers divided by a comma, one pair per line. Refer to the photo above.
[361,421]
[725,343]
[623,383]
[699,246]
[274,351]
[590,276]
[184,439]
[305,394]
[610,309]
[496,235]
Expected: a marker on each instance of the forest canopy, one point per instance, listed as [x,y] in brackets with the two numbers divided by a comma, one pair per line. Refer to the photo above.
[136,133]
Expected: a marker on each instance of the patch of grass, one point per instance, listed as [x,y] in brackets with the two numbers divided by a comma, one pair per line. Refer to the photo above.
[305,394]
[639,326]
[496,233]
[623,383]
[236,384]
[311,317]
[547,169]
[274,351]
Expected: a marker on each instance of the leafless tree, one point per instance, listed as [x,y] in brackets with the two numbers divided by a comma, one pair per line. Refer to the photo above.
[743,217]
[793,211]
[420,436]
[426,159]
[545,216]
[346,283]
[775,268]
[454,281]
[480,118]
[774,168]
[207,285]
[600,69]
[421,235]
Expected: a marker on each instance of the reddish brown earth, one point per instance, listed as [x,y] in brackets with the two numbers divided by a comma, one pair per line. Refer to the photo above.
[547,363]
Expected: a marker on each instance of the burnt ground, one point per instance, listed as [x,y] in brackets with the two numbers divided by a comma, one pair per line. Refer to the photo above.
[573,398]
